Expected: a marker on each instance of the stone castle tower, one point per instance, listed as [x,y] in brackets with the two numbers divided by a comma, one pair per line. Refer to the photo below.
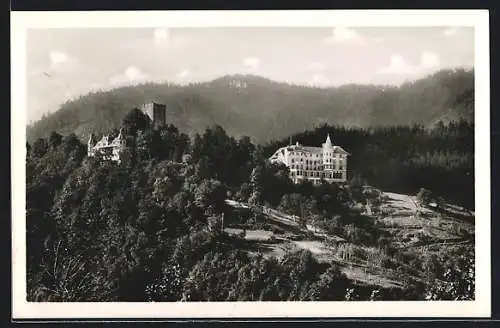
[156,112]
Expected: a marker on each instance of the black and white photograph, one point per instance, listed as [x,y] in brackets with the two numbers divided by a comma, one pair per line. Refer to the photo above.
[220,164]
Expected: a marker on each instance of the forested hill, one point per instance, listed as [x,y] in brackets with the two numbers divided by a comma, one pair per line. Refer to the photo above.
[266,110]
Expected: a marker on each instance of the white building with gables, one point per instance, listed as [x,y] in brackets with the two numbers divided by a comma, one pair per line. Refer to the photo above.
[327,163]
[108,150]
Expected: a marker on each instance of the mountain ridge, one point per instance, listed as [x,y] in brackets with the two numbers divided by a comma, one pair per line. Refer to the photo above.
[266,110]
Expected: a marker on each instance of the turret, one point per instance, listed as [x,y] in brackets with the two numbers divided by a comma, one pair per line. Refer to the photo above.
[328,154]
[90,146]
[119,138]
[328,142]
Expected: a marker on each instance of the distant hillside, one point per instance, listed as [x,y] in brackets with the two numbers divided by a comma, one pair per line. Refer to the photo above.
[266,110]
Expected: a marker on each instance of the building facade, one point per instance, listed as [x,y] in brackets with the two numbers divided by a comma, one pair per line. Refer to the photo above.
[106,149]
[326,163]
[156,112]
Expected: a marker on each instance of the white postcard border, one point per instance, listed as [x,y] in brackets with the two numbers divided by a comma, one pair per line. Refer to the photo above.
[479,19]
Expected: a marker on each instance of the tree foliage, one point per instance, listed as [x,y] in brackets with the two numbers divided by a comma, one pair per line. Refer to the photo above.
[148,229]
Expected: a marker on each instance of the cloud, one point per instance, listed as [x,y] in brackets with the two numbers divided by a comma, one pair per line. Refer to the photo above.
[57,58]
[342,34]
[61,64]
[134,74]
[183,73]
[131,75]
[451,31]
[163,37]
[397,65]
[378,40]
[251,62]
[316,66]
[429,60]
[319,80]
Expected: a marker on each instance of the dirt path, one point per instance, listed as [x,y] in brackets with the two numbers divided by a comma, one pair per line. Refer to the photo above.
[402,201]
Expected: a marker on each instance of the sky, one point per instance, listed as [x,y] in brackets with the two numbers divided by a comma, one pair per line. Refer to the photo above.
[65,63]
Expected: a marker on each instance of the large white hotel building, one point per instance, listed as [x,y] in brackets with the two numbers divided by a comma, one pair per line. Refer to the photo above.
[327,163]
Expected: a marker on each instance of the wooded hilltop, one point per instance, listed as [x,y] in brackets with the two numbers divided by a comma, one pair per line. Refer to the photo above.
[148,228]
[264,110]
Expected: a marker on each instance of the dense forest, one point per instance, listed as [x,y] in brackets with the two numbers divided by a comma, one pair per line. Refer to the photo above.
[149,228]
[266,110]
